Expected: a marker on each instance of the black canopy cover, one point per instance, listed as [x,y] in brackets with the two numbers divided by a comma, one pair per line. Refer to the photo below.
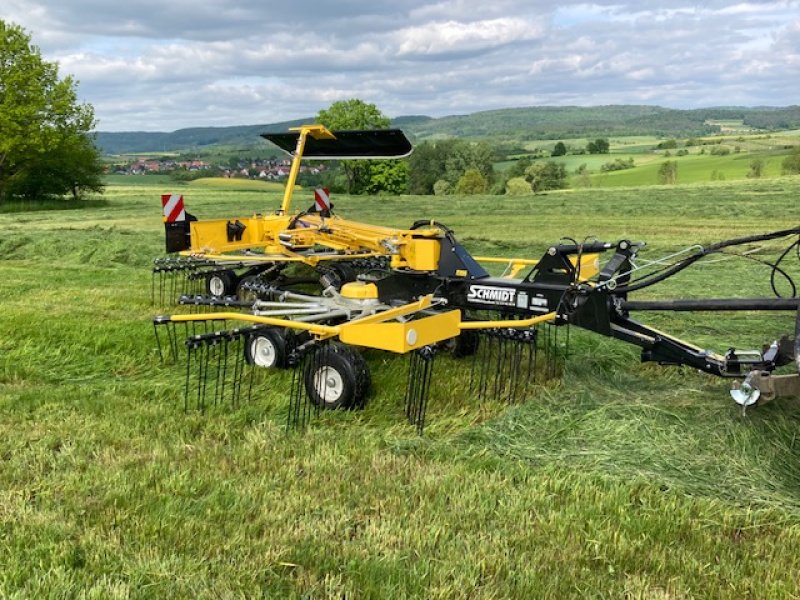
[377,143]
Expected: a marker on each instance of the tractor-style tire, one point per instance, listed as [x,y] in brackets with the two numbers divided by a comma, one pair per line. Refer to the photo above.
[267,349]
[337,377]
[466,344]
[222,283]
[336,274]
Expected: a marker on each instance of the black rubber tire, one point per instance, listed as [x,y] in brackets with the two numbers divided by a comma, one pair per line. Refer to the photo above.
[266,348]
[466,344]
[337,377]
[336,275]
[222,281]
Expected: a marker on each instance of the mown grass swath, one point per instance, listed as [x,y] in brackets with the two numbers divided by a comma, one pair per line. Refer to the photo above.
[618,478]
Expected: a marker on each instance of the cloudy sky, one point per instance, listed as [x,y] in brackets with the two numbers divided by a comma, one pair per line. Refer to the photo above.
[166,64]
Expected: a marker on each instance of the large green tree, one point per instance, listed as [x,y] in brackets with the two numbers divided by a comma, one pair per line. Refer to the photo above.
[365,176]
[46,148]
[546,176]
[448,160]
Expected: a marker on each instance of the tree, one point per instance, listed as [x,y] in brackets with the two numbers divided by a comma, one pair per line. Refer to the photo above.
[756,168]
[598,146]
[46,148]
[668,172]
[427,165]
[559,149]
[791,164]
[546,176]
[464,156]
[518,168]
[471,182]
[357,114]
[387,176]
[448,160]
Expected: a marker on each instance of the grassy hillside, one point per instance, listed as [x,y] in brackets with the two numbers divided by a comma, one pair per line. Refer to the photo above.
[697,162]
[517,124]
[123,142]
[620,480]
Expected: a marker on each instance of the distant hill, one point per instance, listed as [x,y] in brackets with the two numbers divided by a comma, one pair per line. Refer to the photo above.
[124,142]
[531,123]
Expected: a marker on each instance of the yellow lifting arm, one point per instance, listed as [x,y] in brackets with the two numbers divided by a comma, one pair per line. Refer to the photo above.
[318,132]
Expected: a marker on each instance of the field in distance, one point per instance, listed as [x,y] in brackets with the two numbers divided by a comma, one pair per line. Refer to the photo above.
[701,159]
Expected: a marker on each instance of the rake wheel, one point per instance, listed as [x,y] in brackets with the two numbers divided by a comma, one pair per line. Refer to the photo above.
[337,377]
[266,349]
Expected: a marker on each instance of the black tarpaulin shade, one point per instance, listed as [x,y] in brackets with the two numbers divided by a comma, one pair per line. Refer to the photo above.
[378,143]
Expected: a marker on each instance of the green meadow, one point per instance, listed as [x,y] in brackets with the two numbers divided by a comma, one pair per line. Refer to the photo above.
[698,165]
[616,480]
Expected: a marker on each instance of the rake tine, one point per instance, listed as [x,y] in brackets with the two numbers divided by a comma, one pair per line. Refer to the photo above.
[172,335]
[303,368]
[472,363]
[203,378]
[554,361]
[189,352]
[173,281]
[158,342]
[250,376]
[219,385]
[499,382]
[485,365]
[237,373]
[516,350]
[419,386]
[410,386]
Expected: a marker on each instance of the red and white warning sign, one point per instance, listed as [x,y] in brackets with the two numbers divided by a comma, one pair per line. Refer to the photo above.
[173,207]
[322,199]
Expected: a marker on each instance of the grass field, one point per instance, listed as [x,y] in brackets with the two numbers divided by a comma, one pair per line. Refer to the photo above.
[621,480]
[698,166]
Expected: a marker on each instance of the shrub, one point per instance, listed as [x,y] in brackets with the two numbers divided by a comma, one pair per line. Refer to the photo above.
[441,187]
[618,164]
[517,186]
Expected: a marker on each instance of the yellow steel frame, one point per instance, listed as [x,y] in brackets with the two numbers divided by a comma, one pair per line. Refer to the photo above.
[383,330]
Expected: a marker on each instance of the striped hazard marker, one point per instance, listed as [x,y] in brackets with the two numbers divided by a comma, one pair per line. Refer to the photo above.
[173,208]
[322,199]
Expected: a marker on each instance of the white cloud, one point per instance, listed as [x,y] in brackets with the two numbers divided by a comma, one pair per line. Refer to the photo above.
[165,65]
[455,37]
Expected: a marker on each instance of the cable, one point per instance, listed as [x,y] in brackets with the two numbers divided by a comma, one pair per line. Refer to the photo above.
[681,265]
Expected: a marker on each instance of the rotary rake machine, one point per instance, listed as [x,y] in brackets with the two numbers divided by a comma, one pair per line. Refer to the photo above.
[419,292]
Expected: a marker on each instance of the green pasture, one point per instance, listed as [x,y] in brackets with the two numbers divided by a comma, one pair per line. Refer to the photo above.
[699,165]
[225,183]
[692,168]
[618,480]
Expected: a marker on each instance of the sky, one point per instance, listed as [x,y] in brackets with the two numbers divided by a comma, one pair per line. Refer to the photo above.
[161,65]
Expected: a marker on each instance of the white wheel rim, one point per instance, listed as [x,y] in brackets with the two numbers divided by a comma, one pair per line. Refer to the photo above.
[263,352]
[329,384]
[216,286]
